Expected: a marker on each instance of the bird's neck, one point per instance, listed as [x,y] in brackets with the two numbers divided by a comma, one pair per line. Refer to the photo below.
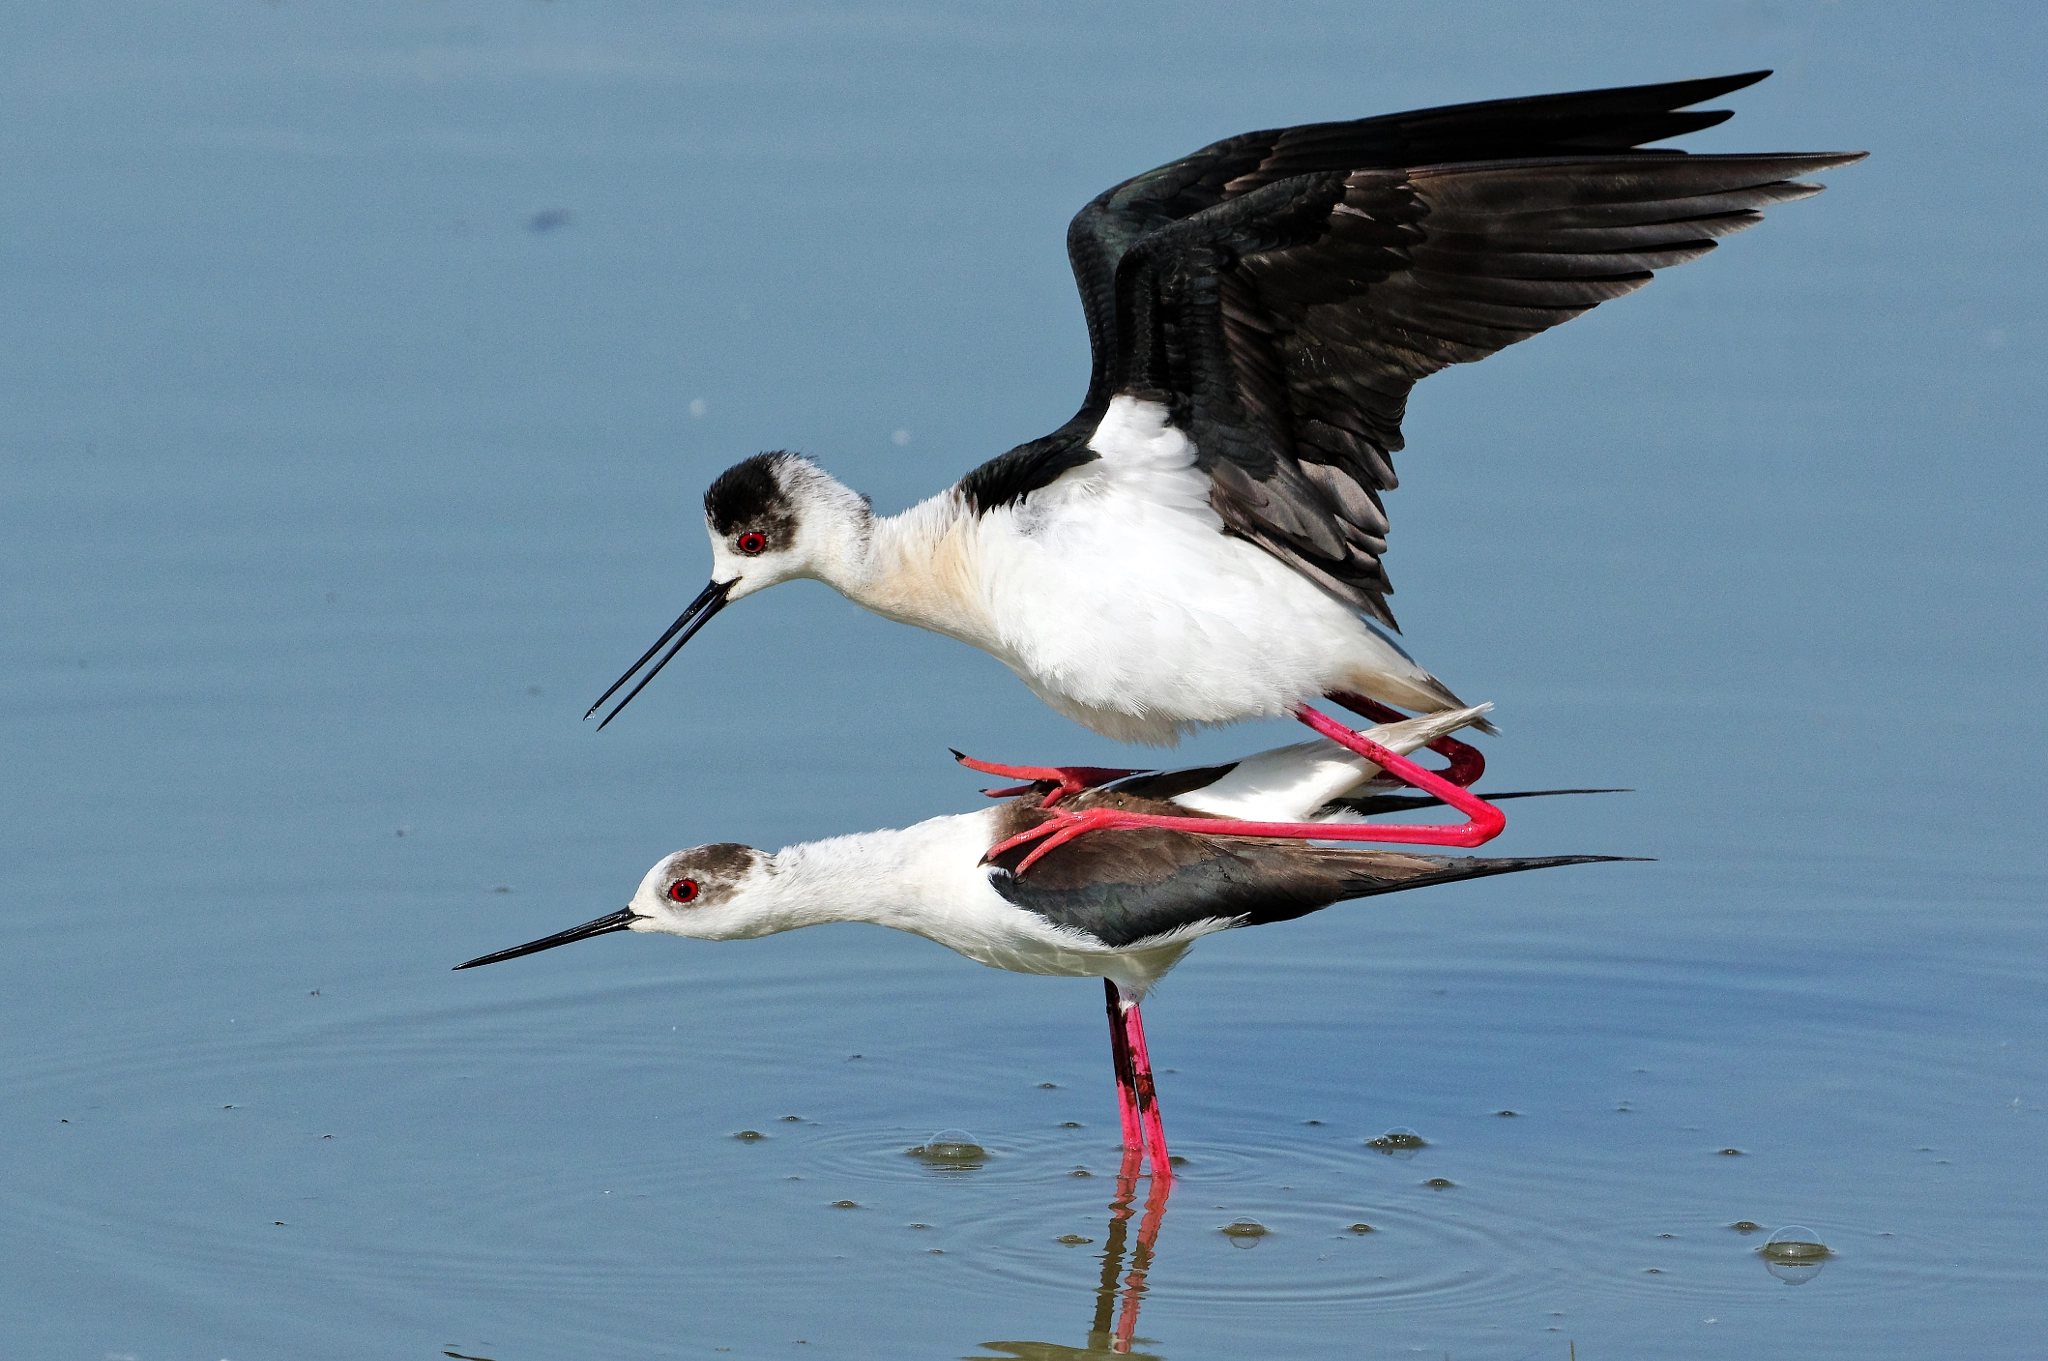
[898,878]
[920,567]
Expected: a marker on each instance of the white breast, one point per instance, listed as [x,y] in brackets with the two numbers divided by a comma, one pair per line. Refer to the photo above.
[1116,596]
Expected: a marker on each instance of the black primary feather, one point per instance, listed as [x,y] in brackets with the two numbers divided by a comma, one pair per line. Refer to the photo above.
[1281,291]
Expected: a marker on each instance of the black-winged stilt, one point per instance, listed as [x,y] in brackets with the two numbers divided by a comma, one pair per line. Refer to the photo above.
[1202,542]
[1124,904]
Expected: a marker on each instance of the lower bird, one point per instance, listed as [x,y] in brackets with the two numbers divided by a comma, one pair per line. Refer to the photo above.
[1123,903]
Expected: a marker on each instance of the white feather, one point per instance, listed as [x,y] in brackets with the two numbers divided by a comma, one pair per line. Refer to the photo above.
[1113,593]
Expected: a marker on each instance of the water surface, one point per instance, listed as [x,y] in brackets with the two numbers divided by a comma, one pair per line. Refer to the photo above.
[360,370]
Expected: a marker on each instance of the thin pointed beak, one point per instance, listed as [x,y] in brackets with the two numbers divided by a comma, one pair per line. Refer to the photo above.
[620,920]
[708,602]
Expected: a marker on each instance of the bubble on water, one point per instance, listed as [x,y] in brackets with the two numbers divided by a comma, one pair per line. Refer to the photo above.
[1175,1160]
[1440,1183]
[1072,1240]
[1794,1254]
[1080,1172]
[1745,1226]
[792,1119]
[1244,1233]
[1362,1228]
[1507,1114]
[1070,1124]
[750,1136]
[1730,1152]
[846,1205]
[1398,1142]
[950,1150]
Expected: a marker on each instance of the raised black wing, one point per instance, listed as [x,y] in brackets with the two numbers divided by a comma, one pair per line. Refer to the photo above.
[1542,125]
[1282,291]
[1127,886]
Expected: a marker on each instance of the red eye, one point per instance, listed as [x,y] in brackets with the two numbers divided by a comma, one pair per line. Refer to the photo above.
[752,542]
[682,890]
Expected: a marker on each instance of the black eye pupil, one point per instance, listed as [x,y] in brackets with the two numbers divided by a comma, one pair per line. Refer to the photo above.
[752,543]
[682,890]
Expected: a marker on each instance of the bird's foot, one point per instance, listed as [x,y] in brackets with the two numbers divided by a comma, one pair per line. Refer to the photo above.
[1064,780]
[1468,763]
[1483,822]
[1064,825]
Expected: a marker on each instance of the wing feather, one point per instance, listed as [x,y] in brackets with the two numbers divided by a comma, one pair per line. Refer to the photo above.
[1283,291]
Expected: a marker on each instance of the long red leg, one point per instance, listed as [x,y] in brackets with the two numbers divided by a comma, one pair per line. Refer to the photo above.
[1468,763]
[1065,779]
[1152,1128]
[1126,1092]
[1483,822]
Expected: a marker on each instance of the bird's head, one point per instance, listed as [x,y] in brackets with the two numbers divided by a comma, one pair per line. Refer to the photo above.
[776,517]
[724,891]
[772,518]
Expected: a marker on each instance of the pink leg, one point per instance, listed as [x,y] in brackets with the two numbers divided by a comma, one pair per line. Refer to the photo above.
[1151,1127]
[1468,763]
[1064,779]
[1126,1091]
[1483,821]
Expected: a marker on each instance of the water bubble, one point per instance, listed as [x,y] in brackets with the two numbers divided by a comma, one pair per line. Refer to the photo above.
[1244,1233]
[1730,1152]
[1070,1124]
[1175,1160]
[792,1119]
[1072,1240]
[950,1150]
[1745,1226]
[750,1136]
[846,1205]
[1398,1142]
[1508,1114]
[1794,1254]
[1440,1183]
[1080,1172]
[1362,1228]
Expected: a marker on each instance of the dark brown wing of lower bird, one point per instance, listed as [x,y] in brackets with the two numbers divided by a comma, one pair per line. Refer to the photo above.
[1127,886]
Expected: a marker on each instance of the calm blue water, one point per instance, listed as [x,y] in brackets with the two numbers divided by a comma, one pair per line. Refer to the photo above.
[359,370]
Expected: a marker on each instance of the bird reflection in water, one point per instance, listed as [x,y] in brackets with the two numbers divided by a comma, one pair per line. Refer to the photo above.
[1113,1331]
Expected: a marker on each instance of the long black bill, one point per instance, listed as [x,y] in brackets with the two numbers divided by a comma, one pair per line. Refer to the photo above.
[708,602]
[603,926]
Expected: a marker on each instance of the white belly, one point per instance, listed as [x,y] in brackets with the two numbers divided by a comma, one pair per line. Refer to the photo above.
[1119,600]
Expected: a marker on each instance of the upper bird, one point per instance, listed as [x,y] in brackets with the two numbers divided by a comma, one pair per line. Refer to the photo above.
[1202,542]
